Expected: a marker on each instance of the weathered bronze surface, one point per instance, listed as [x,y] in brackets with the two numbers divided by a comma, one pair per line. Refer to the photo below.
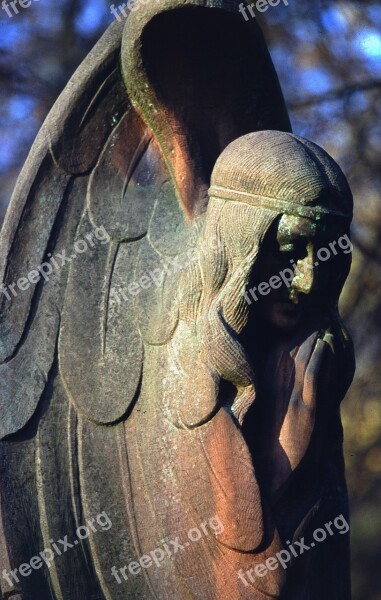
[149,375]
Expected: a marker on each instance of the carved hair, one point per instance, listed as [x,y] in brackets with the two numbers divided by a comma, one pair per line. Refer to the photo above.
[252,166]
[223,311]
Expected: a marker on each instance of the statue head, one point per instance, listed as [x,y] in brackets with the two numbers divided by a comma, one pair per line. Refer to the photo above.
[279,207]
[299,226]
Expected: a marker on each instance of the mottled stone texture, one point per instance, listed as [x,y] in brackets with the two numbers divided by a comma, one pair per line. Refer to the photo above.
[140,378]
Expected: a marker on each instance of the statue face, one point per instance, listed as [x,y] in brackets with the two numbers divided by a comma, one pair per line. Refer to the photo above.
[293,247]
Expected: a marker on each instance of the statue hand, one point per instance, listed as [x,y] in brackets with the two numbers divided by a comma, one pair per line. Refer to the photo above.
[299,421]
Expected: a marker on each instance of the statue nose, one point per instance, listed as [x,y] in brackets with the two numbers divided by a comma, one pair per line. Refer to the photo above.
[305,277]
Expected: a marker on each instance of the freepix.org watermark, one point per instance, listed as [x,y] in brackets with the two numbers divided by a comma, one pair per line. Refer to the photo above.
[286,276]
[55,263]
[261,6]
[166,269]
[48,555]
[15,5]
[131,5]
[168,549]
[296,549]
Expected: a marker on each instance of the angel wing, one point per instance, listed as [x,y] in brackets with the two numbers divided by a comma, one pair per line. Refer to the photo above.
[105,211]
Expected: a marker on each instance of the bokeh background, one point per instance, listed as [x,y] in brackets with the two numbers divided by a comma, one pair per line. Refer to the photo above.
[328,58]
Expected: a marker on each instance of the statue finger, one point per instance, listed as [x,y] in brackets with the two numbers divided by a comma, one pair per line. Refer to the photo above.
[311,378]
[301,361]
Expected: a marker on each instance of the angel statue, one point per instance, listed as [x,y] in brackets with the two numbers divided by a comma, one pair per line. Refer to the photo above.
[172,357]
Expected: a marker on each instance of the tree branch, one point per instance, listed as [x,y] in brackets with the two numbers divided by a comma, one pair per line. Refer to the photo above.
[333,95]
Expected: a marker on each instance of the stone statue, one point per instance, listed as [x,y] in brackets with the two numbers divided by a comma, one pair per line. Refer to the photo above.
[172,357]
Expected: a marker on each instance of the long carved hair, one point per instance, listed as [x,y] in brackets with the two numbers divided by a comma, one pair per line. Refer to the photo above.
[233,232]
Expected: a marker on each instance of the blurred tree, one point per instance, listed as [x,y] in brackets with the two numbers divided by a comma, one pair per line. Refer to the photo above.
[328,57]
[40,48]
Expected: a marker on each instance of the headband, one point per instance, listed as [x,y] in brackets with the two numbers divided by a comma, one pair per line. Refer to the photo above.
[311,212]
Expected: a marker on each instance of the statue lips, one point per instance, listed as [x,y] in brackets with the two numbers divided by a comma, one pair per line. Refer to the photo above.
[289,308]
[282,312]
